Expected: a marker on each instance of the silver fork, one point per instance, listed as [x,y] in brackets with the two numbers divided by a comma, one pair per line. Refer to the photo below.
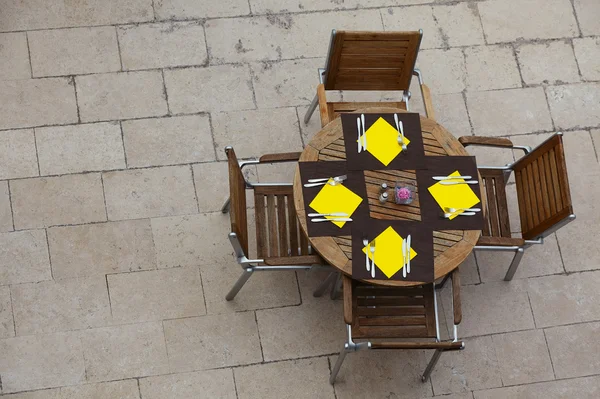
[373,260]
[366,244]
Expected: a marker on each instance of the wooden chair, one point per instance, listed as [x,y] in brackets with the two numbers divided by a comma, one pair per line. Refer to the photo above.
[382,61]
[281,245]
[543,194]
[376,314]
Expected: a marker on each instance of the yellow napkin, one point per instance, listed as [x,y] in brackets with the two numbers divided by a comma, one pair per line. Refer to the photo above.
[382,141]
[388,252]
[453,196]
[335,199]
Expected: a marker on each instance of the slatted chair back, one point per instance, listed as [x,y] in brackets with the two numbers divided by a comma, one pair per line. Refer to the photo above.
[543,190]
[237,194]
[497,222]
[371,60]
[277,233]
[392,312]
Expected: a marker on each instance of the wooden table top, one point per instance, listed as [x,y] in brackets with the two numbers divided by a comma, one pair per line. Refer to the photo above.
[451,247]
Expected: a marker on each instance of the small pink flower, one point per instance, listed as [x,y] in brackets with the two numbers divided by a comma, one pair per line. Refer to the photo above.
[403,193]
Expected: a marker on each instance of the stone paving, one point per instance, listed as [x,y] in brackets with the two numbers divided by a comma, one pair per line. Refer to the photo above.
[114,261]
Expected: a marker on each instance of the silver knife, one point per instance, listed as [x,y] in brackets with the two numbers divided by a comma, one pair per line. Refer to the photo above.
[441,178]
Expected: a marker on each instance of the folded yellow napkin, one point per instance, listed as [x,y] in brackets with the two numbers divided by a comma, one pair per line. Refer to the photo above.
[382,141]
[335,199]
[453,196]
[388,252]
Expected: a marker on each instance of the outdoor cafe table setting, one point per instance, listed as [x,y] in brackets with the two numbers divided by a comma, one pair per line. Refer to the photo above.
[389,197]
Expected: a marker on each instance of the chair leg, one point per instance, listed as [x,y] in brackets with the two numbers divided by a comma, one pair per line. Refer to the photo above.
[311,109]
[337,286]
[338,365]
[239,283]
[431,365]
[514,264]
[325,284]
[226,205]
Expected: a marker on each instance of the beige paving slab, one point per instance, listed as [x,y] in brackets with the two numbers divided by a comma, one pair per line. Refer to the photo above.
[474,368]
[286,83]
[74,51]
[24,257]
[209,89]
[36,102]
[314,124]
[377,374]
[288,35]
[451,112]
[168,141]
[50,201]
[557,300]
[209,384]
[79,148]
[551,62]
[156,295]
[277,172]
[121,95]
[162,45]
[248,131]
[493,308]
[414,18]
[574,349]
[513,111]
[134,350]
[274,6]
[587,10]
[193,240]
[469,272]
[523,357]
[61,305]
[443,70]
[41,361]
[212,341]
[575,105]
[538,260]
[17,154]
[14,57]
[587,51]
[491,68]
[39,14]
[291,376]
[584,388]
[510,20]
[188,9]
[5,211]
[459,23]
[102,248]
[125,389]
[7,325]
[263,290]
[153,192]
[53,393]
[291,332]
[212,184]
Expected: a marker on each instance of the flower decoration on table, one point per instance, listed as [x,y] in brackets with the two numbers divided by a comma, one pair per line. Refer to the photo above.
[403,193]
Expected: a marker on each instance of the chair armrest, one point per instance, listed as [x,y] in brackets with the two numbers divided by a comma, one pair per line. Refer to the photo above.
[445,345]
[323,109]
[295,260]
[485,141]
[500,241]
[283,157]
[347,284]
[456,304]
[426,94]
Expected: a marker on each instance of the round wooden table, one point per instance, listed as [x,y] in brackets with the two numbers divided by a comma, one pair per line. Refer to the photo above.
[451,247]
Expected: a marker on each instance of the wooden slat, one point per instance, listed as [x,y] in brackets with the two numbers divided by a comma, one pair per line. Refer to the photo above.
[522,199]
[282,226]
[544,187]
[399,311]
[393,321]
[555,180]
[539,201]
[492,207]
[391,301]
[261,225]
[293,227]
[303,244]
[502,204]
[562,175]
[272,225]
[366,60]
[379,291]
[532,195]
[392,332]
[381,47]
[549,183]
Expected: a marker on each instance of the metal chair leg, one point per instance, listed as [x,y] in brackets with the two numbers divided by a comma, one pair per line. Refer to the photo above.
[325,284]
[311,109]
[336,286]
[514,264]
[226,205]
[338,364]
[431,365]
[239,283]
